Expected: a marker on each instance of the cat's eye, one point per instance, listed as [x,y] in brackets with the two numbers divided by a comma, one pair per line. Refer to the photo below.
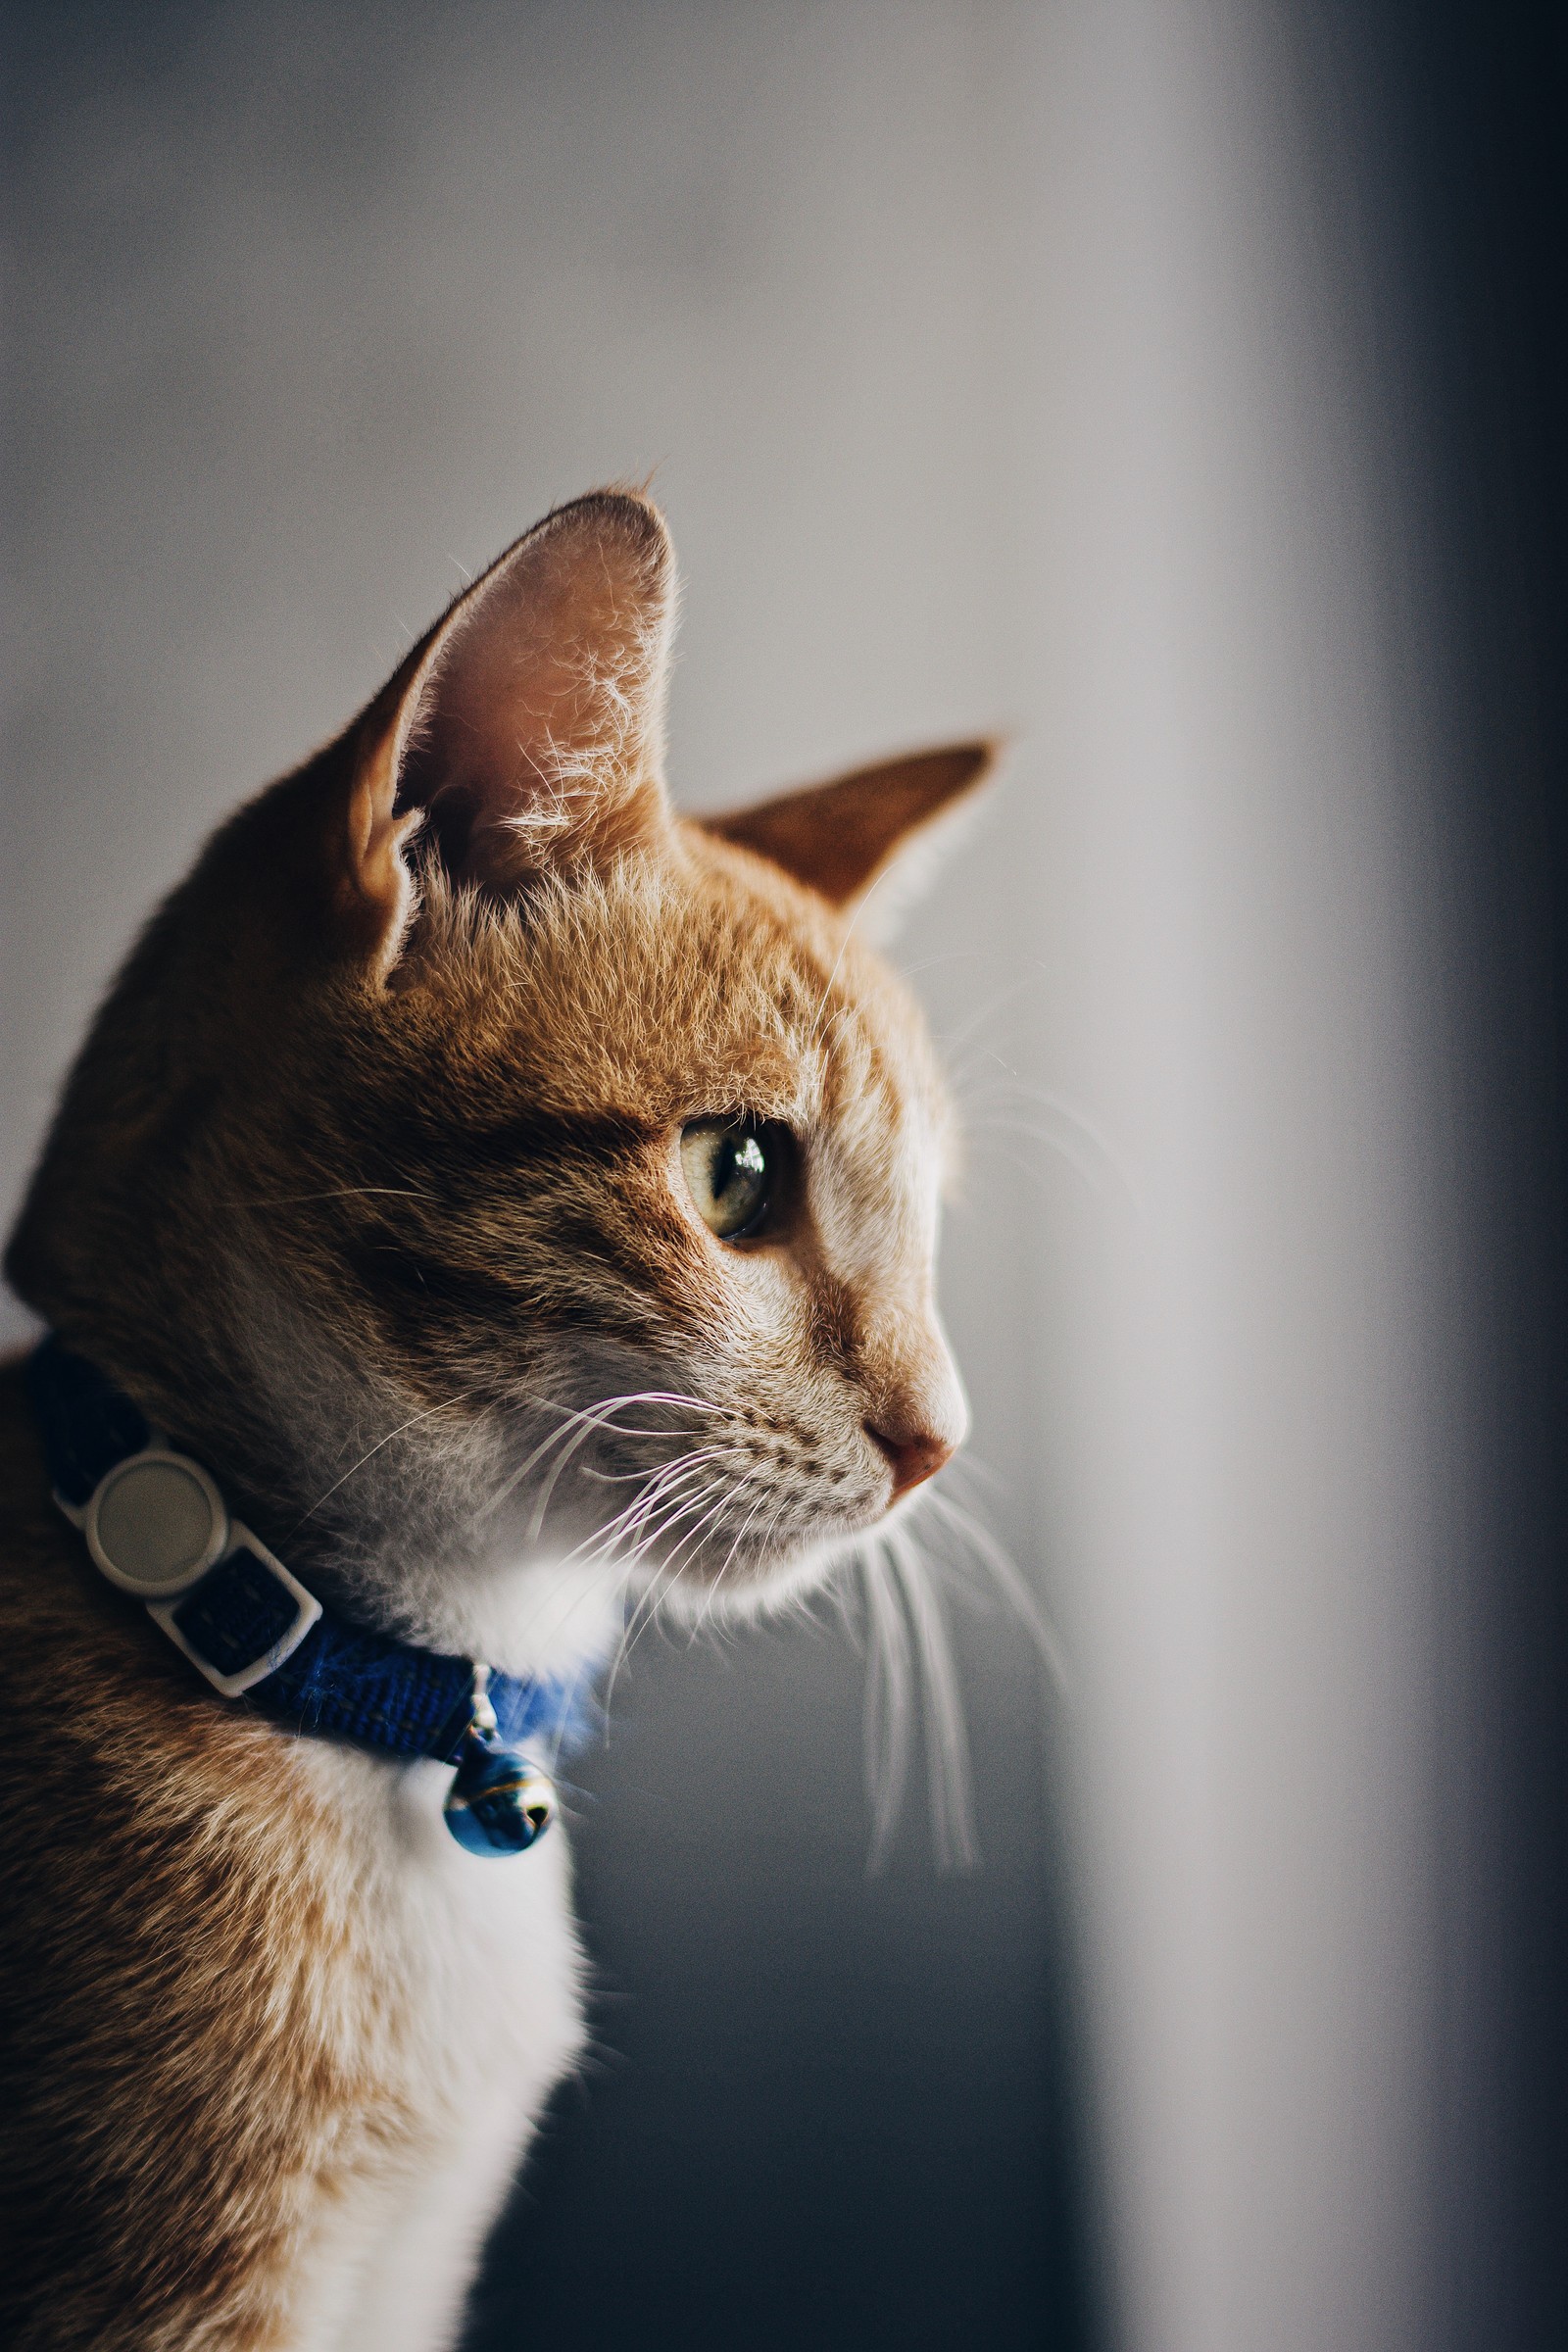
[732,1170]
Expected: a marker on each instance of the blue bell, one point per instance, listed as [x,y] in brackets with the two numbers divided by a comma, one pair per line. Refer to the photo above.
[499,1803]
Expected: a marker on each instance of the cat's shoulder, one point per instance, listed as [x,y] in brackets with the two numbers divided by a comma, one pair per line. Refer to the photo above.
[130,1793]
[84,1674]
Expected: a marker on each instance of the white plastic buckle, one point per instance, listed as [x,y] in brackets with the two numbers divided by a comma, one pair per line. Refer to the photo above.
[307,1609]
[154,1525]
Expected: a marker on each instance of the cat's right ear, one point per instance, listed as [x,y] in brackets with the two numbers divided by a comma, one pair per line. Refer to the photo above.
[526,731]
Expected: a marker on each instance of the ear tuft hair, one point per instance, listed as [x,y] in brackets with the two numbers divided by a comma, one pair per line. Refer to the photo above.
[526,727]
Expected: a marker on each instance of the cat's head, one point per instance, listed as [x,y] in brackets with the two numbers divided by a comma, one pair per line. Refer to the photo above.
[475,1155]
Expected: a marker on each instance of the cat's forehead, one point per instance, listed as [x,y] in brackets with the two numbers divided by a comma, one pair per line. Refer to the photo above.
[661,990]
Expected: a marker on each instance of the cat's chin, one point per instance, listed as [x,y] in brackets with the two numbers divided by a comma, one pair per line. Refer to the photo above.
[767,1590]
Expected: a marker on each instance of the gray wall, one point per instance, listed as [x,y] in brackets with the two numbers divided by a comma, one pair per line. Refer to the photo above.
[995,366]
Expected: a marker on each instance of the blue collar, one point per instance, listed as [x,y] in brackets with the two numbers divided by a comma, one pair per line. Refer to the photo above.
[157,1526]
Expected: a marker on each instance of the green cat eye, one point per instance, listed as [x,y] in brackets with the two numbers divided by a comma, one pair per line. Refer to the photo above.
[731,1170]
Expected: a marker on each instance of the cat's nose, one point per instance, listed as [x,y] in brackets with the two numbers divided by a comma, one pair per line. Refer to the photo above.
[914,1457]
[917,1418]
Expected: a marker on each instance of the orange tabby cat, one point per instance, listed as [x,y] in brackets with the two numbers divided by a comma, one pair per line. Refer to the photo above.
[494,1188]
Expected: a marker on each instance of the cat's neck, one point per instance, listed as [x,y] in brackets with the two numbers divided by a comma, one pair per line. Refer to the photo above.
[403,1512]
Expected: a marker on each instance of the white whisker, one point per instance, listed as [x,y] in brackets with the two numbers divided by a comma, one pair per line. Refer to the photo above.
[598,1420]
[949,1781]
[1003,1572]
[369,1455]
[909,1665]
[585,1419]
[888,1698]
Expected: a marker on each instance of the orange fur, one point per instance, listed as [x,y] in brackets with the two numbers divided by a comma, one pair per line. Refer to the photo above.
[365,1175]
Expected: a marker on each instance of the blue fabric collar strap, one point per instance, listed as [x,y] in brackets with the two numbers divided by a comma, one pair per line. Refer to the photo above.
[241,1617]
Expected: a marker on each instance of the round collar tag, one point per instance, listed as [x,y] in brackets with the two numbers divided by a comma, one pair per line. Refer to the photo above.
[155,1524]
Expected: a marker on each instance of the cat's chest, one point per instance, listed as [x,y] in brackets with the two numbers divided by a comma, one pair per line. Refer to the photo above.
[470,1966]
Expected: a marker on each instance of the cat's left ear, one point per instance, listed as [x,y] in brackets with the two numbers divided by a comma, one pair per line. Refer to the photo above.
[526,731]
[870,839]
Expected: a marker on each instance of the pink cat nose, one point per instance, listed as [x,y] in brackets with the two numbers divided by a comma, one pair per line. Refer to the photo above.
[914,1458]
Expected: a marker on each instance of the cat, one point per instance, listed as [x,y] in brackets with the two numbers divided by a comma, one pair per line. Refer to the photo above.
[508,1193]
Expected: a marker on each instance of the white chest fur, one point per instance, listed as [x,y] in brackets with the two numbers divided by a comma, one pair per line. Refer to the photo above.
[479,1965]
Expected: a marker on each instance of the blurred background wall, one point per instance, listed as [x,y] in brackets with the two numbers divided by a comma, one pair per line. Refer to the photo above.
[1147,380]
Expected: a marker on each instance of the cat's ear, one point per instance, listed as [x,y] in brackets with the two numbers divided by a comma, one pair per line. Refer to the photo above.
[526,731]
[878,829]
